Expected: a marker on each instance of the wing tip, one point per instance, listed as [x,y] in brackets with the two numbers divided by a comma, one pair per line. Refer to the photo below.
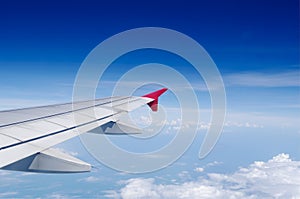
[155,95]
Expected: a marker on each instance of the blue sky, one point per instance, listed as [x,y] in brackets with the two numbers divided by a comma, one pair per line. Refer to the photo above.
[255,45]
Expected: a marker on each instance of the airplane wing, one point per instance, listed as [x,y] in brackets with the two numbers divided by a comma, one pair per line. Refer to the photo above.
[26,135]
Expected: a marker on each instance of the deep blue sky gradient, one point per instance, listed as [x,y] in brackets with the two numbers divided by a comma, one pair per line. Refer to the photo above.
[239,35]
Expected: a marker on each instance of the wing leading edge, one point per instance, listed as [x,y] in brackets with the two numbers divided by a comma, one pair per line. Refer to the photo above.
[26,135]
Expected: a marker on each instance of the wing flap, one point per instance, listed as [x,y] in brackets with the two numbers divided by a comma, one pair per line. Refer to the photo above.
[53,160]
[50,160]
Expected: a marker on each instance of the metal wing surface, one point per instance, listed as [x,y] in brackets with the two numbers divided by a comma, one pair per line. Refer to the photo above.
[26,135]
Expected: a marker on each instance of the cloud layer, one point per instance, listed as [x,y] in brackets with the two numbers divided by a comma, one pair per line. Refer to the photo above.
[276,178]
[283,79]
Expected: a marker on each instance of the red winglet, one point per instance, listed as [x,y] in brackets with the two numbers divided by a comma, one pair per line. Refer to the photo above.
[154,104]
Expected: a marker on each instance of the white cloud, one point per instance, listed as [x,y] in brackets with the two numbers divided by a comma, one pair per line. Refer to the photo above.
[205,126]
[176,124]
[243,124]
[8,194]
[145,120]
[246,119]
[57,196]
[28,174]
[4,173]
[111,194]
[260,120]
[146,188]
[7,178]
[276,178]
[89,179]
[282,79]
[214,163]
[199,169]
[184,175]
